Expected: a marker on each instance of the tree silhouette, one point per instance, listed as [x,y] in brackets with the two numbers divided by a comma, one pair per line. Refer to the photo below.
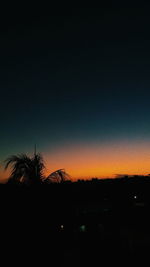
[58,176]
[25,169]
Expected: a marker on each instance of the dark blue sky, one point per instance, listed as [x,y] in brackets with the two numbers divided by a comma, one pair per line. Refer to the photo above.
[74,76]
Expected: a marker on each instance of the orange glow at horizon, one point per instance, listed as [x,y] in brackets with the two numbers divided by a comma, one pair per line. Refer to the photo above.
[102,161]
[85,161]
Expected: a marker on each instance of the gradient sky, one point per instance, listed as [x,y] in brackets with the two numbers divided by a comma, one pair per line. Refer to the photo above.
[77,83]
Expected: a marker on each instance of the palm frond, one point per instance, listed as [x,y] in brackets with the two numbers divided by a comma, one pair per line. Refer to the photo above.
[10,160]
[25,168]
[59,175]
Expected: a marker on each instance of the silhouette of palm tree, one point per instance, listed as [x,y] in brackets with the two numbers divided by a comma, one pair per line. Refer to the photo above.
[58,176]
[25,169]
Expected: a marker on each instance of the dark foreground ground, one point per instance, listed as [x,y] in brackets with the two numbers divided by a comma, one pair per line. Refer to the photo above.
[68,226]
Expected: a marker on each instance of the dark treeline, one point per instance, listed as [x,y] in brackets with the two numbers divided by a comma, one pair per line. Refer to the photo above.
[89,190]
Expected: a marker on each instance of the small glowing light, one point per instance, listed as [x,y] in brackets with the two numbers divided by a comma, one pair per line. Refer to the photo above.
[135,197]
[62,226]
[82,228]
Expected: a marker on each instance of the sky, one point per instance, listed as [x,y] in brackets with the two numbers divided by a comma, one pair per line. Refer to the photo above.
[76,83]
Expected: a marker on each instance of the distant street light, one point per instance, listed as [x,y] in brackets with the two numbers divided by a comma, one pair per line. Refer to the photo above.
[62,227]
[82,228]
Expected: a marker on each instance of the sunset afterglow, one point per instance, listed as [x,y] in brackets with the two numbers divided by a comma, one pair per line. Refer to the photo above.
[105,160]
[101,160]
[80,92]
